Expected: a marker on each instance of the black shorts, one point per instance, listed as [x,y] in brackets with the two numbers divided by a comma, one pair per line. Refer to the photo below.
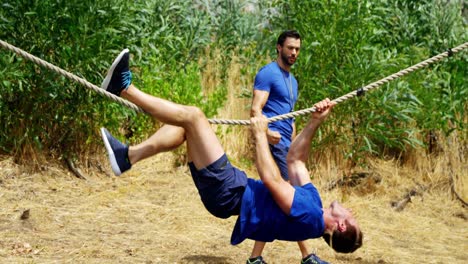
[221,187]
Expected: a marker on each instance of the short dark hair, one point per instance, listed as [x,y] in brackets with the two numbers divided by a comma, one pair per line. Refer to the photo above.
[287,34]
[344,242]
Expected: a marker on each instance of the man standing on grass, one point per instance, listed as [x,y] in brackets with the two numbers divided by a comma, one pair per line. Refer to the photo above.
[275,93]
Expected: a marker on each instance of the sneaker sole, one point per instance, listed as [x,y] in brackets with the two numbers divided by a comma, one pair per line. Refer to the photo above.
[113,161]
[108,78]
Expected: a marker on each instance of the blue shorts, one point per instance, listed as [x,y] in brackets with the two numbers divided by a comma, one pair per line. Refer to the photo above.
[280,153]
[221,187]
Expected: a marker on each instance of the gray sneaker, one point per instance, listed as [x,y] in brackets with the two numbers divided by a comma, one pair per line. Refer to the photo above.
[118,153]
[313,259]
[256,260]
[119,76]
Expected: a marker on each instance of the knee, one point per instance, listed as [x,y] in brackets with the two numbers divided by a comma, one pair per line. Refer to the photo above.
[193,114]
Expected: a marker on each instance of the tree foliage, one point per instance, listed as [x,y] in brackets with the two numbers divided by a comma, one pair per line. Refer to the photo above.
[349,44]
[42,111]
[346,45]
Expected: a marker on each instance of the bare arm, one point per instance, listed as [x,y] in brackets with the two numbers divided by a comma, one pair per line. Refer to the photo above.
[293,135]
[300,148]
[282,191]
[258,102]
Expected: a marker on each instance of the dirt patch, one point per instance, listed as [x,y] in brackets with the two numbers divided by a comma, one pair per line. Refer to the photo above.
[153,214]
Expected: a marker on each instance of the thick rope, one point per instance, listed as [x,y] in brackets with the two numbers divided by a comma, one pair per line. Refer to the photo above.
[70,76]
[345,97]
[359,91]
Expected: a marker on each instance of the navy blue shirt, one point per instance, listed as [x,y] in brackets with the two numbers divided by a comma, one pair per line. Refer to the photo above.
[282,87]
[261,219]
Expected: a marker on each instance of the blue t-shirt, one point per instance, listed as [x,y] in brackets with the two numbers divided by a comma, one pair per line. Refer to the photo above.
[282,87]
[261,219]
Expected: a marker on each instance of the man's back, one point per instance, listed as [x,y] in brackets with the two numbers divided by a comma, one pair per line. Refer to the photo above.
[261,219]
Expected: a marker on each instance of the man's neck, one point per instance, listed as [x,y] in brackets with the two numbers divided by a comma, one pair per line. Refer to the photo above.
[283,65]
[328,221]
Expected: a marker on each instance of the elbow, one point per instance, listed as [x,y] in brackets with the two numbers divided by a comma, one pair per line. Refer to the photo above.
[270,182]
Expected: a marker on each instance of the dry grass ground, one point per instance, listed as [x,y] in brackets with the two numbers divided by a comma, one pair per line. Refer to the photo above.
[152,214]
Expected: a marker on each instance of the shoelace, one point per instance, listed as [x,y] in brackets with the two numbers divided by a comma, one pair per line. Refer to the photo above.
[126,79]
[313,259]
[258,260]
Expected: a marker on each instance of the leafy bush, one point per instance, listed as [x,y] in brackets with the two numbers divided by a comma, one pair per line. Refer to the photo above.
[346,44]
[349,44]
[42,112]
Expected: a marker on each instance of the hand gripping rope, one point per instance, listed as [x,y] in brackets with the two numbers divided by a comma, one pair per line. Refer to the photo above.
[359,92]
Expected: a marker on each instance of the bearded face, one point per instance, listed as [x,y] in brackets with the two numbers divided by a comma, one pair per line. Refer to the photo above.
[289,51]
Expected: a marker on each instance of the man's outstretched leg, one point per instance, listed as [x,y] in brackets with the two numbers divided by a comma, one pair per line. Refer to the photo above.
[122,156]
[220,185]
[187,122]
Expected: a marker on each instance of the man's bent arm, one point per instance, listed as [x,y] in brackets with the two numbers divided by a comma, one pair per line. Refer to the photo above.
[282,191]
[293,135]
[300,147]
[258,102]
[299,153]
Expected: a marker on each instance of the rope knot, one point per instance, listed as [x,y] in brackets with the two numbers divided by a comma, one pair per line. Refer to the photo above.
[450,52]
[360,92]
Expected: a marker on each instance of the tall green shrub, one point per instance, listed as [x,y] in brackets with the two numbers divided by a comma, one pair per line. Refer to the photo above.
[42,112]
[40,109]
[348,44]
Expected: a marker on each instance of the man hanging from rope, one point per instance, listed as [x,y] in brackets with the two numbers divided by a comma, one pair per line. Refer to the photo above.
[268,209]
